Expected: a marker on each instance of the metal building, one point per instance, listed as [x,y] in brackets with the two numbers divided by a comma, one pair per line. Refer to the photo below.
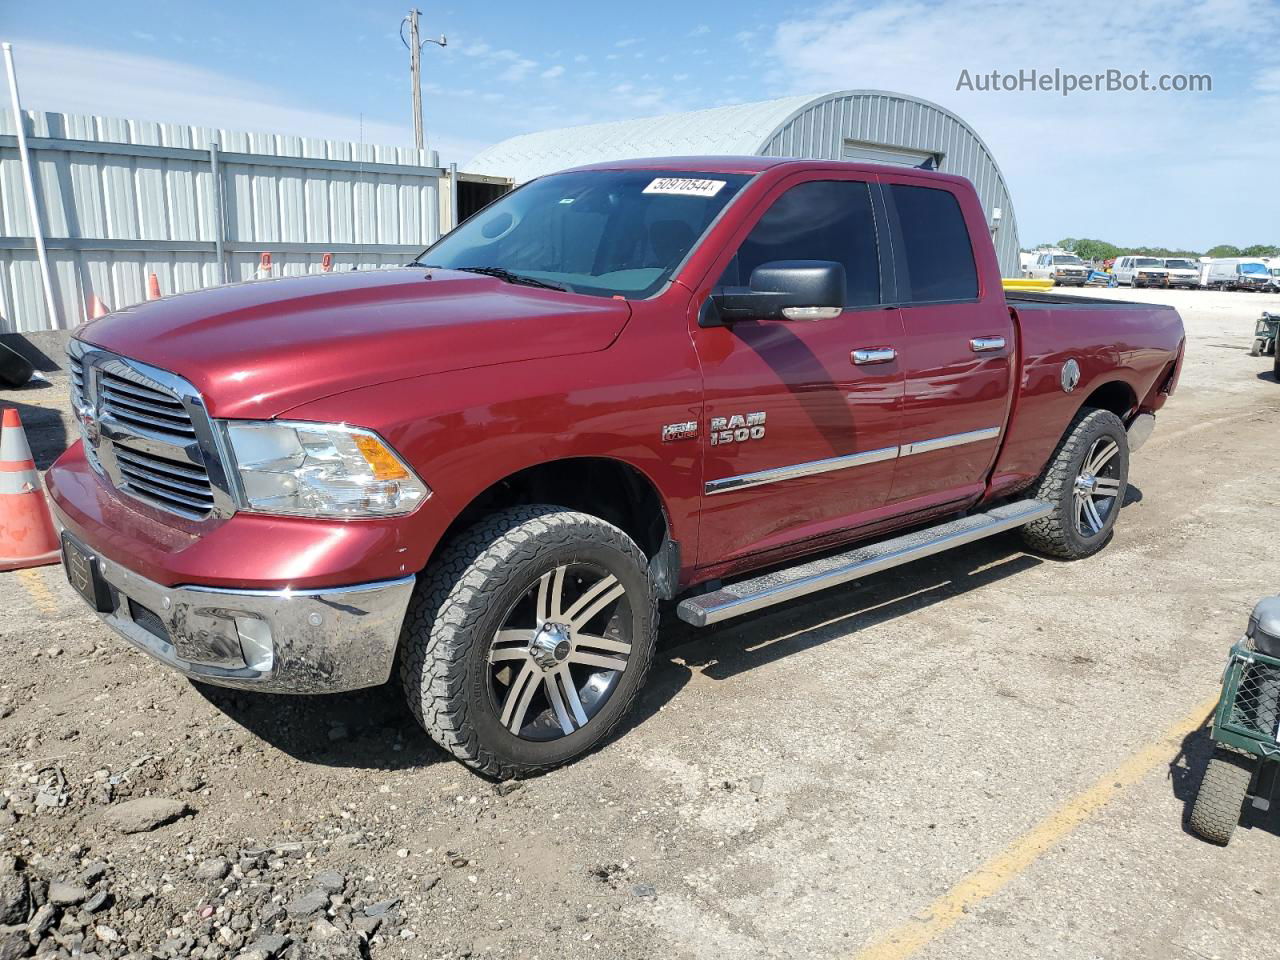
[867,125]
[122,200]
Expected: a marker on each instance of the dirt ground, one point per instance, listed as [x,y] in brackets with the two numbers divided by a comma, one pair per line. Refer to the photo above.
[986,754]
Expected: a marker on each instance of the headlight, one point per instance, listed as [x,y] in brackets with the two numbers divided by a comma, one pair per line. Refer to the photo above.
[319,470]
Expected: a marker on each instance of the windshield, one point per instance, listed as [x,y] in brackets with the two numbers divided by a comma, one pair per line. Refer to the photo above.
[599,232]
[1253,268]
[1064,259]
[1146,262]
[1180,264]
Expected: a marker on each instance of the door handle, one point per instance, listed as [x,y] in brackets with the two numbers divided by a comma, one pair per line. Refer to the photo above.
[873,355]
[986,344]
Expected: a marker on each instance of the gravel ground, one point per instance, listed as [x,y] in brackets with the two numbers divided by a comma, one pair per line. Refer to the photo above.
[796,784]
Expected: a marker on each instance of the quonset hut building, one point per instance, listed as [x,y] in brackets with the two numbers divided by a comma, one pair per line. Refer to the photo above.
[866,125]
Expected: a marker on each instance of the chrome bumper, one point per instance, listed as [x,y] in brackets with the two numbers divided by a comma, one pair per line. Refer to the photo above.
[304,641]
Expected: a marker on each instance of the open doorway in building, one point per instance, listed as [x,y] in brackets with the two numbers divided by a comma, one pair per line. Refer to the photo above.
[476,192]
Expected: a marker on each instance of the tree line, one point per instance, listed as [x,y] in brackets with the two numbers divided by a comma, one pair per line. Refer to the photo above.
[1087,249]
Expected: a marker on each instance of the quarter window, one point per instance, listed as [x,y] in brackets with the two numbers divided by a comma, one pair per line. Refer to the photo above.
[819,220]
[934,245]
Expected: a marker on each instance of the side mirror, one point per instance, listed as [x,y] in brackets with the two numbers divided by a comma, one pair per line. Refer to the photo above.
[782,290]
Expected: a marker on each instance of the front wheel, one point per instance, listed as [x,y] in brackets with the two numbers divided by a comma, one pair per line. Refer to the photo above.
[528,640]
[1085,481]
[1220,799]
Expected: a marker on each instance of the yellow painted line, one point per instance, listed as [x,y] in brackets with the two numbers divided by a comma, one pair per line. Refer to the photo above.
[40,593]
[994,875]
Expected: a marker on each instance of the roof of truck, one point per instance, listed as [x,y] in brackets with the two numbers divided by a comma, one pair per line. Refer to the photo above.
[755,165]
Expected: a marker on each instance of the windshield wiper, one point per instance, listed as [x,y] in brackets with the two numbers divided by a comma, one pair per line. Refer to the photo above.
[510,277]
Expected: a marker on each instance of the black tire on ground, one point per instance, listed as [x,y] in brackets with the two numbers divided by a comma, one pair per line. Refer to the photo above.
[1256,349]
[1275,367]
[1216,811]
[1061,534]
[473,590]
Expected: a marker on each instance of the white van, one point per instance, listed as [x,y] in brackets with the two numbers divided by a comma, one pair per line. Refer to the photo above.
[1236,273]
[1064,269]
[1140,272]
[1183,272]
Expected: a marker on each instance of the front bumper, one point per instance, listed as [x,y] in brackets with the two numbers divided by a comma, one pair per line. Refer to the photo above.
[278,641]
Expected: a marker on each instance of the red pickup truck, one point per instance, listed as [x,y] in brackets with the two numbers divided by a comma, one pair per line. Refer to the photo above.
[727,382]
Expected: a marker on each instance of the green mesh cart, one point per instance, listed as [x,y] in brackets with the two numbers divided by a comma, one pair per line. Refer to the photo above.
[1245,737]
[1265,333]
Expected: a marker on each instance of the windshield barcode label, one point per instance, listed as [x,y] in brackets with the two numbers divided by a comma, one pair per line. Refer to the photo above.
[685,186]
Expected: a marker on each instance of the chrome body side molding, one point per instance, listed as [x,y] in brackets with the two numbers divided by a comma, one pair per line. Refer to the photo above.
[809,469]
[778,474]
[951,440]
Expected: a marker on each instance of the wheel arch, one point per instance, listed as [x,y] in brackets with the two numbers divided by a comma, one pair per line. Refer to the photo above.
[1118,396]
[611,489]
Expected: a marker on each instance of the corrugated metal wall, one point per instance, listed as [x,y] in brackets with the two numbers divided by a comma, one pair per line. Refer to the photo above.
[123,199]
[821,128]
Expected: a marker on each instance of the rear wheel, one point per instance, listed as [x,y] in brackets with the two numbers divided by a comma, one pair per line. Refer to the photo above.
[1216,811]
[529,639]
[1086,482]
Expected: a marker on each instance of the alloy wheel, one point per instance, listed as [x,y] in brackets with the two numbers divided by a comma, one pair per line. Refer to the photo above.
[1097,488]
[560,652]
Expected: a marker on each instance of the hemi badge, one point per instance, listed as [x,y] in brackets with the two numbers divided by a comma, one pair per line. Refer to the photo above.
[679,431]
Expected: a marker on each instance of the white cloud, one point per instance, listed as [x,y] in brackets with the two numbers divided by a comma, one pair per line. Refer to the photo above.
[581,58]
[551,72]
[627,42]
[1115,160]
[1268,81]
[154,89]
[701,30]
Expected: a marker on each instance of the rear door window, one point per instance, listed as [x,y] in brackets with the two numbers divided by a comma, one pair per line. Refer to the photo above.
[818,220]
[934,255]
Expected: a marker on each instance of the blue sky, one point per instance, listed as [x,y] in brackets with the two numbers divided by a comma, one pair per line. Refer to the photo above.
[1176,169]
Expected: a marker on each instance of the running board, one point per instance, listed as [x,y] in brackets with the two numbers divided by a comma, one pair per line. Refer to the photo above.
[747,596]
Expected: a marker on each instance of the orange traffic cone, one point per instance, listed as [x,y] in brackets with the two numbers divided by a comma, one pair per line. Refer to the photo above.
[97,308]
[153,288]
[27,536]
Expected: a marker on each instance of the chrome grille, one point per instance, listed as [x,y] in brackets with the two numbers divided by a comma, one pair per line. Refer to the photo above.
[146,431]
[169,484]
[77,381]
[144,407]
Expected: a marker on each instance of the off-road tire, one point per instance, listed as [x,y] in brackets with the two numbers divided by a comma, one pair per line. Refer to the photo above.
[1256,349]
[1275,366]
[457,606]
[1216,812]
[1057,535]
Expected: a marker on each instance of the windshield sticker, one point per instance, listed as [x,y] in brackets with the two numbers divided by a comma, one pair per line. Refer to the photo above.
[685,187]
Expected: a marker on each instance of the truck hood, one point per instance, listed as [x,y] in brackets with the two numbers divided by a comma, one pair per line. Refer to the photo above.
[260,348]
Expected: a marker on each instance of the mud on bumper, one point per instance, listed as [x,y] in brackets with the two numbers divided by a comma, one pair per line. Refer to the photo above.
[304,641]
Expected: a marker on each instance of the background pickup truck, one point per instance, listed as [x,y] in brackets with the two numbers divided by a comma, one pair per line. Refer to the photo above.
[722,382]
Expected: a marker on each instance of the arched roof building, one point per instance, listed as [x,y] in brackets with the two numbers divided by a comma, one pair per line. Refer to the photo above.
[867,125]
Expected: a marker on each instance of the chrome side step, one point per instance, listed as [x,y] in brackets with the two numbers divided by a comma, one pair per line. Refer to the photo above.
[747,596]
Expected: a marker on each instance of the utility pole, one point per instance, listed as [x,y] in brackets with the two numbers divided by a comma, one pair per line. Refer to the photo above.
[414,43]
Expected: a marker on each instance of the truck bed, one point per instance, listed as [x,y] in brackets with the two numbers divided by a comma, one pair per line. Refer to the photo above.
[1032,298]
